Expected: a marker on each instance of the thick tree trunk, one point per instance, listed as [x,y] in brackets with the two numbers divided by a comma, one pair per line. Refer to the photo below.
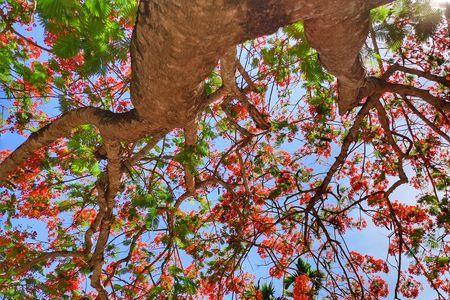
[176,44]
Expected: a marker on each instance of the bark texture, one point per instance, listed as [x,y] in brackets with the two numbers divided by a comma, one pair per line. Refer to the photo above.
[176,45]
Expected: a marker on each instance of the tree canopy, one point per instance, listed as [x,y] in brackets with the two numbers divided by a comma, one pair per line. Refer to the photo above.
[181,149]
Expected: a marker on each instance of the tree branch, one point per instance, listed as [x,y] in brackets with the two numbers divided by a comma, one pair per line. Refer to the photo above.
[340,159]
[228,64]
[435,78]
[425,120]
[114,174]
[43,257]
[111,125]
[190,133]
[379,85]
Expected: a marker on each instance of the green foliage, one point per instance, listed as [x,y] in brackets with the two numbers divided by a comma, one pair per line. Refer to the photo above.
[436,263]
[190,156]
[182,285]
[437,207]
[380,14]
[83,144]
[416,238]
[49,9]
[91,29]
[296,30]
[310,66]
[420,15]
[67,46]
[149,202]
[183,229]
[267,291]
[8,209]
[213,83]
[322,101]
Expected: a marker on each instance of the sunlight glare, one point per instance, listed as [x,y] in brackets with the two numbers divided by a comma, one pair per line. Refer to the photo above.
[439,3]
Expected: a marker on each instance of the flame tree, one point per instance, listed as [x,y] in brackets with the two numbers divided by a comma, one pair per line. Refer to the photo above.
[230,147]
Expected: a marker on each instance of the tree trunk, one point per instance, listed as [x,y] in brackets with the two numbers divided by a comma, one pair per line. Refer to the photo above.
[176,44]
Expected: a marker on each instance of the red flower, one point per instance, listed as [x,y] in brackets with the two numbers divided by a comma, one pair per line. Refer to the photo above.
[378,287]
[301,288]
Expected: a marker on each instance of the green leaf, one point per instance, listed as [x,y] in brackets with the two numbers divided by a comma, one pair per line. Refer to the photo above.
[67,46]
[56,8]
[100,8]
[380,14]
[95,169]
